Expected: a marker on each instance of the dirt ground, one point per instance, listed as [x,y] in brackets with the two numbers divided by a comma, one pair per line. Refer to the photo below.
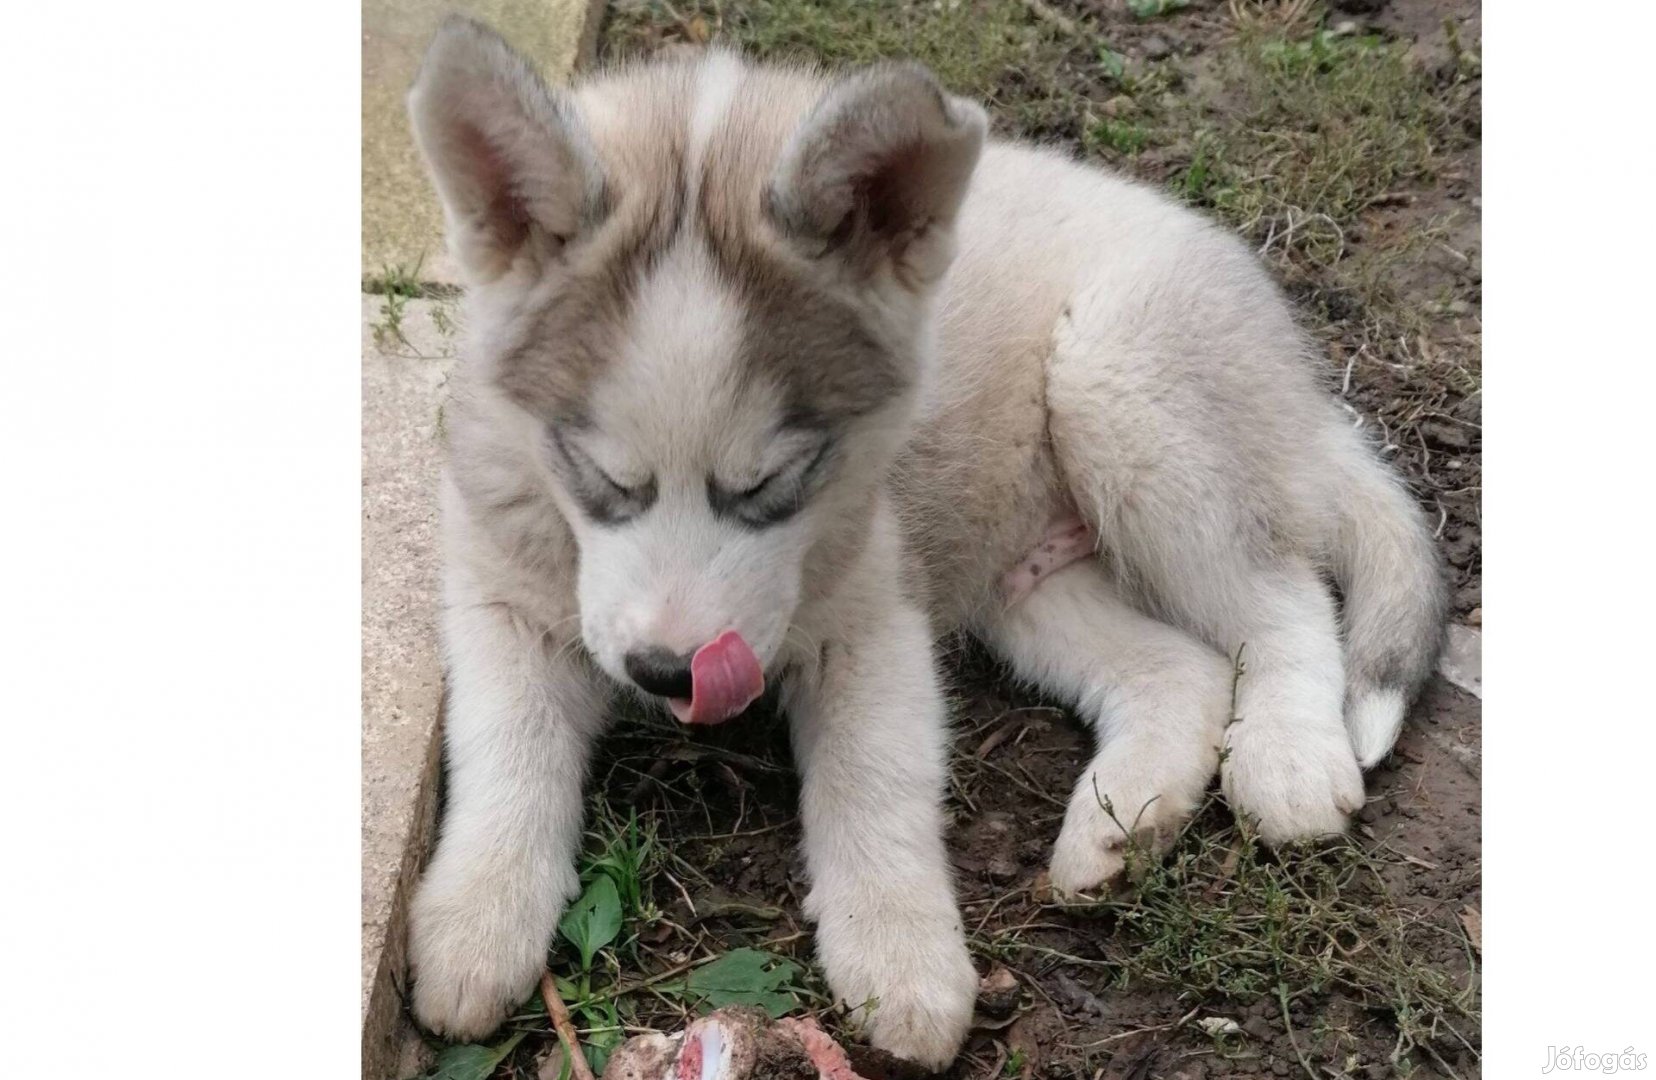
[722,808]
[1344,139]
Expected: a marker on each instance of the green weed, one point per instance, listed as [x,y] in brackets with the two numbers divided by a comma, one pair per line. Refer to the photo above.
[1112,63]
[1150,9]
[397,285]
[1320,129]
[598,944]
[1117,136]
[1222,917]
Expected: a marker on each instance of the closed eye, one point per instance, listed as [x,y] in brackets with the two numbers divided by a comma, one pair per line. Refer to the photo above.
[777,496]
[604,499]
[615,485]
[758,489]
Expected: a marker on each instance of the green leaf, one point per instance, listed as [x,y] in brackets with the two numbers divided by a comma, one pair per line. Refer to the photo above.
[594,920]
[1149,9]
[1113,63]
[470,1061]
[624,858]
[598,1049]
[747,977]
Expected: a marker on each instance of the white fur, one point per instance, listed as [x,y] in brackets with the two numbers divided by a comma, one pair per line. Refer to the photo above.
[1375,719]
[872,748]
[1157,698]
[716,87]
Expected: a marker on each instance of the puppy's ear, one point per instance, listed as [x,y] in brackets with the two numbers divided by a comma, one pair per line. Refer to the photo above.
[875,175]
[511,160]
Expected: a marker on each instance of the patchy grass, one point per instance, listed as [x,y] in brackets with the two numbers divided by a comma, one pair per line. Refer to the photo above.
[1150,9]
[994,51]
[1121,136]
[1222,917]
[1224,922]
[1326,127]
[396,286]
[617,929]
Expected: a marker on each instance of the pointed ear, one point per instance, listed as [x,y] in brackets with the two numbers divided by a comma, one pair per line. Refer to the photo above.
[511,160]
[875,175]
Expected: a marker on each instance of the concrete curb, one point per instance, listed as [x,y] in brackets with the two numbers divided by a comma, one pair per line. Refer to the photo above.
[402,387]
[402,380]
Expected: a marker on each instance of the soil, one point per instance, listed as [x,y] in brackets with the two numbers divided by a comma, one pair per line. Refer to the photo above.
[725,803]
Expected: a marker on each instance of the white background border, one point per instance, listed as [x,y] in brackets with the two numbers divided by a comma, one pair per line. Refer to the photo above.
[179,277]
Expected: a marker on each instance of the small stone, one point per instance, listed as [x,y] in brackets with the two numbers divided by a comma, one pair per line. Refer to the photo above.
[1475,616]
[1076,999]
[1369,814]
[550,1064]
[1156,47]
[998,993]
[1119,106]
[1444,434]
[1279,1067]
[1001,868]
[1344,28]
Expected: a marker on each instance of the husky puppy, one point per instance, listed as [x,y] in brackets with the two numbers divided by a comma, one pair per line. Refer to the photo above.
[770,374]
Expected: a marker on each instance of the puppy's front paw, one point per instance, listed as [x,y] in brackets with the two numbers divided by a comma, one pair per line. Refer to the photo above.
[475,950]
[1297,783]
[910,982]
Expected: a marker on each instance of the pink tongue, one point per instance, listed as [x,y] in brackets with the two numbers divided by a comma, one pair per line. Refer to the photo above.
[725,678]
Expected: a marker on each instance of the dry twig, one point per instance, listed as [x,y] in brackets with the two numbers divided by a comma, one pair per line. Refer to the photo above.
[559,1012]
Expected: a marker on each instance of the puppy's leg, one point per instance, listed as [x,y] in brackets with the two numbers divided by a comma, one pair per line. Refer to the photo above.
[1157,698]
[869,734]
[1289,761]
[521,718]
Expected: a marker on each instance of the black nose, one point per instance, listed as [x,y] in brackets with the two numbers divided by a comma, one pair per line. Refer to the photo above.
[659,672]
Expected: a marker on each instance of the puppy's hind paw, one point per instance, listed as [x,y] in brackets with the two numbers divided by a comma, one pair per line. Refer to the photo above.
[1293,790]
[1112,798]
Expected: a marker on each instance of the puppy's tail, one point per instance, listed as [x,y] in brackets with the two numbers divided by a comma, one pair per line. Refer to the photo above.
[1388,569]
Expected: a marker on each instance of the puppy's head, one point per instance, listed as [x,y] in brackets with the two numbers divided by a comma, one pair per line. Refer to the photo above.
[703,295]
